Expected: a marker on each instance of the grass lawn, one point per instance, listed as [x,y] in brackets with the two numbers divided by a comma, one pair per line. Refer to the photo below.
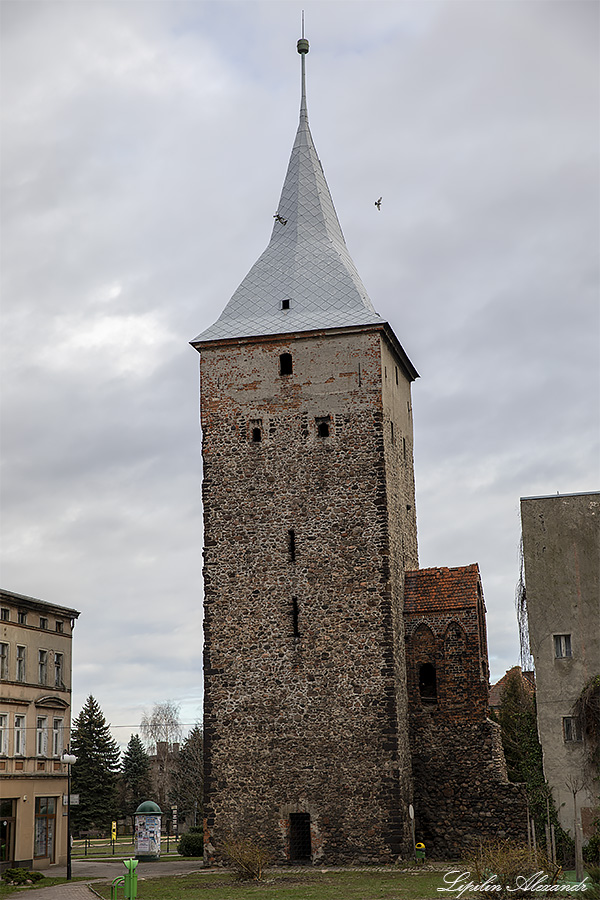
[310,885]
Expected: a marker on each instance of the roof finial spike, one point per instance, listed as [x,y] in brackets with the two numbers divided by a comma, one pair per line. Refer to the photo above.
[303,50]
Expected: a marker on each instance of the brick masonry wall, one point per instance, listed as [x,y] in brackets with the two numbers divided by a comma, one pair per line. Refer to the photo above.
[315,721]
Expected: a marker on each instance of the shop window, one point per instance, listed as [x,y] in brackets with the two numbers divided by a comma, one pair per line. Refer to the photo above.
[45,820]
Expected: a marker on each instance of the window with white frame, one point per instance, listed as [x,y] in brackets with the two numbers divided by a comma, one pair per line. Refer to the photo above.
[57,736]
[20,735]
[58,670]
[21,663]
[4,614]
[22,617]
[4,661]
[562,646]
[571,729]
[3,735]
[43,666]
[41,736]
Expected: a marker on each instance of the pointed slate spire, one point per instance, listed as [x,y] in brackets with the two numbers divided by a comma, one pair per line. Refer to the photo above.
[305,280]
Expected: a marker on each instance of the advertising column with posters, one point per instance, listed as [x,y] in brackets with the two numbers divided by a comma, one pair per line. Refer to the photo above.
[147,830]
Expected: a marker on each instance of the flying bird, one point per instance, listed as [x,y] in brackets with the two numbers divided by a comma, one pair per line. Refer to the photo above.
[378,203]
[279,218]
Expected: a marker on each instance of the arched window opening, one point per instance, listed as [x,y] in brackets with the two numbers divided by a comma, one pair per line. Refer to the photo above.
[427,683]
[285,364]
[322,423]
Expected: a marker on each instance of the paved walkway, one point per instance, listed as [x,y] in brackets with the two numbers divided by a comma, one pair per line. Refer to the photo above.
[78,891]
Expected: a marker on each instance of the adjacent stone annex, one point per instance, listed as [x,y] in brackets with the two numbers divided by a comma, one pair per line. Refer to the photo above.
[318,736]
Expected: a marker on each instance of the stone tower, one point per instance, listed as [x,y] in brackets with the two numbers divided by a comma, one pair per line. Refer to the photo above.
[309,518]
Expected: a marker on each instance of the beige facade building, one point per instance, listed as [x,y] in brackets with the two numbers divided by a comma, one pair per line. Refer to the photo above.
[561,550]
[35,721]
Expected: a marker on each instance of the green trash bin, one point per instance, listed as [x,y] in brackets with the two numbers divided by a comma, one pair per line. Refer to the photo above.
[420,852]
[130,879]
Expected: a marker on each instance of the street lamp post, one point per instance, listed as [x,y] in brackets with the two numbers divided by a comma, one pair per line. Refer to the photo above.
[69,759]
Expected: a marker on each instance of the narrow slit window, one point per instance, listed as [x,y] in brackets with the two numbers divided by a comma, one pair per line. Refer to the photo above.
[396,367]
[285,364]
[295,617]
[292,544]
[392,431]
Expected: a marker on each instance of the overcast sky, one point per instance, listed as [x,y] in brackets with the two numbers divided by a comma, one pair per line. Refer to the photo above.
[144,150]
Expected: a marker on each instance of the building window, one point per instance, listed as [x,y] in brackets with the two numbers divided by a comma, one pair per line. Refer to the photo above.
[43,623]
[292,544]
[21,664]
[4,661]
[396,367]
[562,646]
[58,670]
[57,737]
[20,735]
[285,364]
[22,617]
[43,666]
[392,431]
[3,735]
[300,844]
[4,614]
[427,683]
[323,425]
[45,817]
[59,626]
[571,729]
[285,304]
[41,736]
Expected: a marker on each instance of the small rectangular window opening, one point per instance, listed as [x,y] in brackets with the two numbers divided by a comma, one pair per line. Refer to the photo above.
[295,617]
[571,729]
[562,646]
[285,304]
[256,430]
[43,623]
[322,423]
[22,617]
[292,544]
[4,614]
[285,364]
[59,626]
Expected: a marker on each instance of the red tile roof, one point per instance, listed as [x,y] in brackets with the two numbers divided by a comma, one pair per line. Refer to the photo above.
[497,690]
[426,590]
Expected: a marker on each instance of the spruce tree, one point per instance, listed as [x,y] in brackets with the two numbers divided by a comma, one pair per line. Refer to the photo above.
[95,772]
[136,775]
[189,776]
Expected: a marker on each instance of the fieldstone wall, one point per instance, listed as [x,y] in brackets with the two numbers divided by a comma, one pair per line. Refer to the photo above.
[309,523]
[462,794]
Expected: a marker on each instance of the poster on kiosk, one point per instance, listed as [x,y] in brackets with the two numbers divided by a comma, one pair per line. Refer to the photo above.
[147,830]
